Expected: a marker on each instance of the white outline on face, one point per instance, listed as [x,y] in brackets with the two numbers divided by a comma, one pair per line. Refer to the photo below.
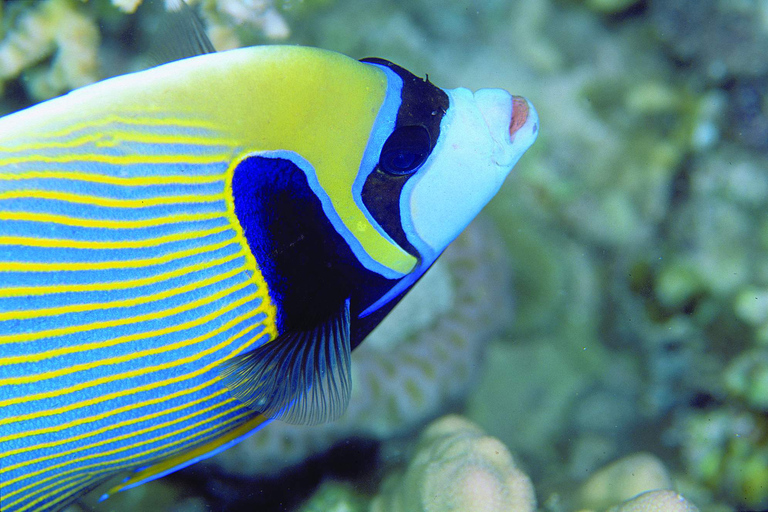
[471,160]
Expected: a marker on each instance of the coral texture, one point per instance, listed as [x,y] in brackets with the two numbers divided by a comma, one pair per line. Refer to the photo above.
[656,501]
[54,45]
[55,29]
[725,42]
[457,468]
[623,479]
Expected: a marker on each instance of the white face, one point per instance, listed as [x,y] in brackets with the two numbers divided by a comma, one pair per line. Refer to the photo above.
[482,136]
[479,138]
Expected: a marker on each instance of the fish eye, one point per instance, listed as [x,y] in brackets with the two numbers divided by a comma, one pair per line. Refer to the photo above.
[405,150]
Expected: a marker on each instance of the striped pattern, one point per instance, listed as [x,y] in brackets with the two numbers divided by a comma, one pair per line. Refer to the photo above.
[124,281]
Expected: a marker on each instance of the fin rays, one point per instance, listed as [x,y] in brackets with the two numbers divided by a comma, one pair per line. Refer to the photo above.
[300,377]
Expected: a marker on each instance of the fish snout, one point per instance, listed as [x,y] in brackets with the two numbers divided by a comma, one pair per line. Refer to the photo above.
[522,110]
[512,122]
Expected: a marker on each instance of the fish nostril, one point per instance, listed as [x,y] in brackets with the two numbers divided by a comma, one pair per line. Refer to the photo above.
[519,114]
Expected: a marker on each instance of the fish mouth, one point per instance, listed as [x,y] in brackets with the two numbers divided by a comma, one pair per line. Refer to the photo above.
[519,114]
[525,120]
[512,124]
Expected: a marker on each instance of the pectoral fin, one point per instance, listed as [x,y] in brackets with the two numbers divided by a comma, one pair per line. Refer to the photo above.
[300,377]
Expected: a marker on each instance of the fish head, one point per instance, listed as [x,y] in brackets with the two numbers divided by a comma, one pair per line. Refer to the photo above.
[445,155]
[482,136]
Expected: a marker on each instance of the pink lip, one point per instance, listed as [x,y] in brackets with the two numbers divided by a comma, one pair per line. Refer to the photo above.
[519,114]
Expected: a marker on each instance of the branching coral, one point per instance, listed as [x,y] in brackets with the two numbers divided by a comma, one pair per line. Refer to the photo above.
[457,468]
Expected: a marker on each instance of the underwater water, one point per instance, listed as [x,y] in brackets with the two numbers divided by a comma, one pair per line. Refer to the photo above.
[601,331]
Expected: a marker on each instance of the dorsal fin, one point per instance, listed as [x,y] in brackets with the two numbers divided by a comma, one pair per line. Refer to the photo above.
[183,34]
[300,377]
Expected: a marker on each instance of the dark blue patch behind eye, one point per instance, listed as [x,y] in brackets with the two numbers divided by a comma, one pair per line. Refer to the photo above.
[279,215]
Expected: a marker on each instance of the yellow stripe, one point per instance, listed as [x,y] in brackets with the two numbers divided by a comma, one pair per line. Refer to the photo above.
[134,120]
[126,462]
[212,158]
[23,266]
[108,201]
[108,440]
[67,370]
[72,483]
[115,412]
[253,265]
[109,224]
[172,462]
[127,408]
[121,244]
[113,180]
[210,420]
[23,314]
[114,137]
[17,291]
[114,464]
[102,380]
[74,349]
[85,385]
[107,414]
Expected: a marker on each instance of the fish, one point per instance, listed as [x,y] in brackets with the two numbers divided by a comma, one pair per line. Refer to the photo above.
[192,251]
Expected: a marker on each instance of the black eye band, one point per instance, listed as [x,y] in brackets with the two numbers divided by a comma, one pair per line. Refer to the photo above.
[415,132]
[405,150]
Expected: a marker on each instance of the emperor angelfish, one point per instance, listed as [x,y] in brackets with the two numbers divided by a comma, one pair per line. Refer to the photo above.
[189,251]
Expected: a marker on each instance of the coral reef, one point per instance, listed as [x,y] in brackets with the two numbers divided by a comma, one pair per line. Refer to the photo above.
[53,46]
[724,449]
[624,479]
[636,229]
[611,6]
[233,23]
[639,482]
[720,37]
[54,29]
[223,17]
[725,42]
[335,497]
[706,293]
[457,468]
[656,501]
